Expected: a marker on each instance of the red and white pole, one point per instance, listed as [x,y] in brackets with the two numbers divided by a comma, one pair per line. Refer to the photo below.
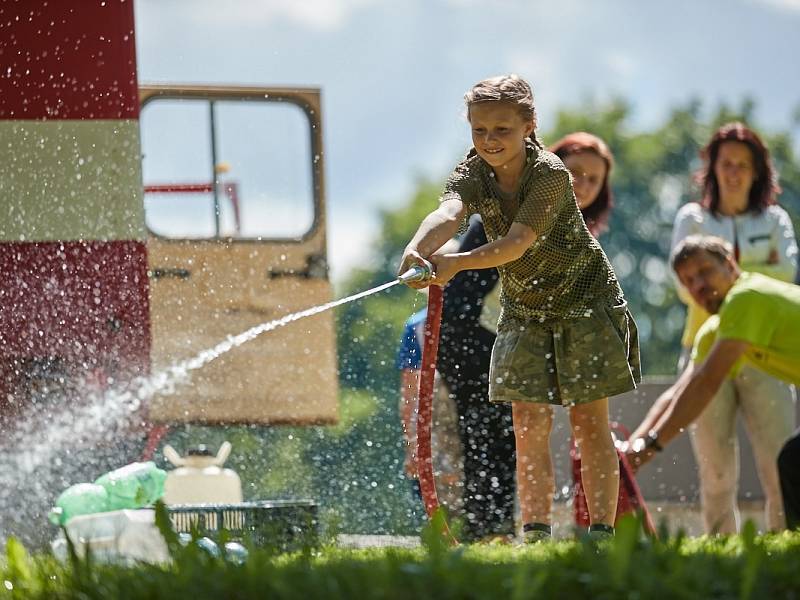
[72,232]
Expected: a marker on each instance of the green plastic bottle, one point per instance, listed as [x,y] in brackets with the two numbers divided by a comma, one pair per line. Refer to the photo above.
[135,485]
[79,499]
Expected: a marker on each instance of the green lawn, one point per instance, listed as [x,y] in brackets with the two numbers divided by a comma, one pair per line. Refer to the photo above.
[630,566]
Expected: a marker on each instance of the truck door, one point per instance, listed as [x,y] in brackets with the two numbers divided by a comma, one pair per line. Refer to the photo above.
[234,207]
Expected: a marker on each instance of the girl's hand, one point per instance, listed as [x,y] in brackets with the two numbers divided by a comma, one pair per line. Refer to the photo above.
[445,267]
[410,258]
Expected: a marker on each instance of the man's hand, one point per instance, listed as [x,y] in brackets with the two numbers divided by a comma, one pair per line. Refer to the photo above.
[636,452]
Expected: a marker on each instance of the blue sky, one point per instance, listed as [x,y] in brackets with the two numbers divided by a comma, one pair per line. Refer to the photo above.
[393,73]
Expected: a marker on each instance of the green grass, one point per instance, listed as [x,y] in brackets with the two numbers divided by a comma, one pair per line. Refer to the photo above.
[630,566]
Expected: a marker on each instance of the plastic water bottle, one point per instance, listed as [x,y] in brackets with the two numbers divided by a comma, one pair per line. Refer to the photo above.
[236,553]
[209,546]
[133,486]
[79,499]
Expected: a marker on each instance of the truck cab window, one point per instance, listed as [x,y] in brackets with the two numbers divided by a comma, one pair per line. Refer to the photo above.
[232,169]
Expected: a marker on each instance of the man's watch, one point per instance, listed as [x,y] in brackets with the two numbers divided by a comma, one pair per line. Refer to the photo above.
[651,441]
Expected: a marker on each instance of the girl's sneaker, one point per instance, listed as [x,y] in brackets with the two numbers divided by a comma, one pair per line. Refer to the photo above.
[533,533]
[600,531]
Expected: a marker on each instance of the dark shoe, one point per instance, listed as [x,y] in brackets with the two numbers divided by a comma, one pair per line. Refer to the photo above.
[533,533]
[600,531]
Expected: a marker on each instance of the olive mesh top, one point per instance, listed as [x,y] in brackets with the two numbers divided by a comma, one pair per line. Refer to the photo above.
[565,272]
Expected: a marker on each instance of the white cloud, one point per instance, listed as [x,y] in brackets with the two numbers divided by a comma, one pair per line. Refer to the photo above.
[544,72]
[350,238]
[622,64]
[785,5]
[320,15]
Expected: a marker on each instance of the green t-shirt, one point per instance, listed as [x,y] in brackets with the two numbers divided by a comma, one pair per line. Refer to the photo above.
[765,312]
[565,272]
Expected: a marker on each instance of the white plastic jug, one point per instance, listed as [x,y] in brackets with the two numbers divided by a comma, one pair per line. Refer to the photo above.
[200,479]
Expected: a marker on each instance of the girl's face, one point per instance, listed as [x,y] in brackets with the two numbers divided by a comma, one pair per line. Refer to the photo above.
[588,174]
[735,171]
[498,133]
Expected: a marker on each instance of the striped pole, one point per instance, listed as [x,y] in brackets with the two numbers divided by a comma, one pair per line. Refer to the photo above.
[74,288]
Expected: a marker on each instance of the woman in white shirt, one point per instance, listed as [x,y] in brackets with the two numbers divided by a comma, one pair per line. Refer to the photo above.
[739,189]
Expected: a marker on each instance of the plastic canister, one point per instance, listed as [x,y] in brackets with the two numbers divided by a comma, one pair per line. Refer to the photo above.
[199,477]
[121,536]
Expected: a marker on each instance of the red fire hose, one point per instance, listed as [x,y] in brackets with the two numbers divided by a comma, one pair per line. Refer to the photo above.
[629,500]
[430,349]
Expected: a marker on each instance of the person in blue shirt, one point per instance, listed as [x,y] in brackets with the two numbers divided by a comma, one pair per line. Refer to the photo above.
[409,362]
[445,447]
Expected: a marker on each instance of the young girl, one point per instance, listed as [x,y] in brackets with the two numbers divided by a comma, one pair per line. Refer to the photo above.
[565,336]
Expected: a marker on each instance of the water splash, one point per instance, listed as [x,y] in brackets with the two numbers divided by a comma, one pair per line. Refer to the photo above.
[34,447]
[110,408]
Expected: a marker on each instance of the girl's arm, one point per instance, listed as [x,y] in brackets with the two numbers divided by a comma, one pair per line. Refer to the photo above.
[409,384]
[504,250]
[536,215]
[436,229]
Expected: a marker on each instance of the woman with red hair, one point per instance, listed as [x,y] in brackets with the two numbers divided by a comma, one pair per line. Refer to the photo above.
[590,161]
[739,187]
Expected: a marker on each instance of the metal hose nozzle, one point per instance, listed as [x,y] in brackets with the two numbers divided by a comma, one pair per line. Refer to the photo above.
[422,272]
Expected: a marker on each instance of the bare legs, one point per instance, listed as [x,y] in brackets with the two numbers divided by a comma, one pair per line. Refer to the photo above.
[599,462]
[535,482]
[600,467]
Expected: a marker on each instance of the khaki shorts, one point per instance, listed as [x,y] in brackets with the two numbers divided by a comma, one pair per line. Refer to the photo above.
[566,362]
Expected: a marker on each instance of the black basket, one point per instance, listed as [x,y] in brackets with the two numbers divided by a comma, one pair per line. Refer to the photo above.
[280,524]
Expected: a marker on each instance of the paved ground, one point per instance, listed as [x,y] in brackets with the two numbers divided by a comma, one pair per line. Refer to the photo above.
[679,516]
[377,541]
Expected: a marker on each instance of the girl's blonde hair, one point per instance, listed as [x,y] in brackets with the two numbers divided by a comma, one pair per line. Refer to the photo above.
[504,88]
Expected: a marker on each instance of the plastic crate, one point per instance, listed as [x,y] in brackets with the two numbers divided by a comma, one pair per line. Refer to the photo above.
[281,524]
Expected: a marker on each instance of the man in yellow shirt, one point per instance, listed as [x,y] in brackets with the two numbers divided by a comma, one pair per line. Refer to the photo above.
[756,319]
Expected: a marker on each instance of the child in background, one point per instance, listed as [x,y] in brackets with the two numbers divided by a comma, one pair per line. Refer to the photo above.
[565,336]
[445,446]
[485,428]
